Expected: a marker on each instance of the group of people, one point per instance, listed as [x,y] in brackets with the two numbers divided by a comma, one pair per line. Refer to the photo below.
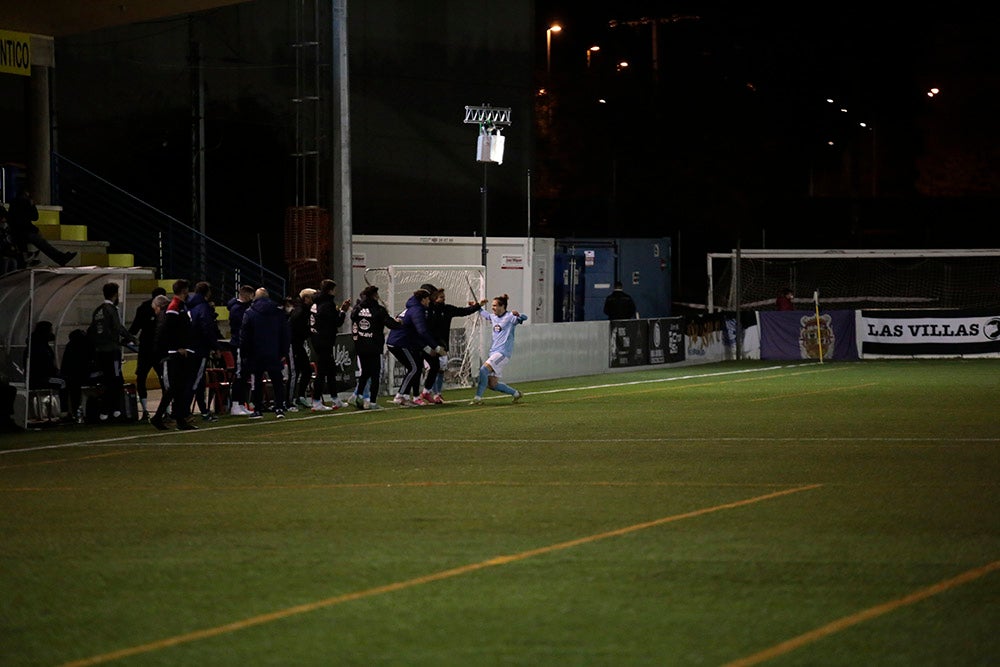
[18,231]
[289,349]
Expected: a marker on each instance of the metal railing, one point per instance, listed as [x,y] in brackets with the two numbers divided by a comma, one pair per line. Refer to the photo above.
[156,239]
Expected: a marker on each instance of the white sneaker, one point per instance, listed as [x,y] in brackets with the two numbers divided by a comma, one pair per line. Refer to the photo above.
[318,406]
[292,408]
[336,402]
[476,400]
[517,396]
[400,399]
[238,410]
[365,404]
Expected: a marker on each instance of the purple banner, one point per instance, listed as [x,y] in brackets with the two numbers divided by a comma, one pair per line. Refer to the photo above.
[796,334]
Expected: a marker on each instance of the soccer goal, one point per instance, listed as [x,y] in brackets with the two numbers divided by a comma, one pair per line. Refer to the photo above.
[461,284]
[856,279]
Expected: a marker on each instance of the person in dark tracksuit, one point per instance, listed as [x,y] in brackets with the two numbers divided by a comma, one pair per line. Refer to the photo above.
[369,319]
[173,340]
[205,341]
[264,340]
[237,307]
[439,317]
[408,344]
[325,318]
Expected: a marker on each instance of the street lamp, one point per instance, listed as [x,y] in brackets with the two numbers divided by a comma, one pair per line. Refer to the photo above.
[594,49]
[555,27]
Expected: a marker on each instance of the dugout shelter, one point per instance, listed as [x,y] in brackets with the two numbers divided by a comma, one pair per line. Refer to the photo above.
[64,296]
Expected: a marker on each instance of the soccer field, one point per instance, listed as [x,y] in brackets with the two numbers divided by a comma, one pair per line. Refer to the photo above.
[727,514]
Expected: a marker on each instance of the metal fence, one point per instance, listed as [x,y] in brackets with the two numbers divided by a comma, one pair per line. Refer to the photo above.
[156,239]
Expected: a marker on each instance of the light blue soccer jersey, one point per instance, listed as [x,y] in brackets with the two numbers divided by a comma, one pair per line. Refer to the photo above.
[503,331]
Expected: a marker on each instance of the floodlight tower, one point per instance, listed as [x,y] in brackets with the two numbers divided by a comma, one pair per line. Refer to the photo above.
[489,147]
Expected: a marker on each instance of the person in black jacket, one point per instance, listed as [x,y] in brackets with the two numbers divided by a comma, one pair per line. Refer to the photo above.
[108,334]
[619,305]
[173,338]
[144,325]
[264,340]
[369,320]
[325,318]
[205,342]
[237,307]
[21,217]
[301,367]
[409,343]
[439,317]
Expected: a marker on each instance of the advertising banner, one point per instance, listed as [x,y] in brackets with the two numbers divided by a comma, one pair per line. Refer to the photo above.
[629,343]
[796,334]
[15,53]
[345,379]
[666,340]
[929,333]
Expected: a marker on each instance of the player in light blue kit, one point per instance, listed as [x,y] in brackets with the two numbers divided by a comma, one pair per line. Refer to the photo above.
[503,322]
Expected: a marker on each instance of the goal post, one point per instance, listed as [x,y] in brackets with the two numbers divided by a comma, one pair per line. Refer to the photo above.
[461,283]
[750,279]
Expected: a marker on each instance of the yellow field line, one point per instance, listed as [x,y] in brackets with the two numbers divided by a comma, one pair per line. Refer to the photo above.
[410,583]
[864,615]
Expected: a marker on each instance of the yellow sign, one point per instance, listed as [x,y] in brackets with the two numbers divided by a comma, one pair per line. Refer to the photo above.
[15,53]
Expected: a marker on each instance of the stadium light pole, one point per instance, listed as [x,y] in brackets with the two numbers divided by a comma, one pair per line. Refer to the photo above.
[490,148]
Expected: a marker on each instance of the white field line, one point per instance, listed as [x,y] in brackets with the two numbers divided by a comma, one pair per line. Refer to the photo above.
[343,412]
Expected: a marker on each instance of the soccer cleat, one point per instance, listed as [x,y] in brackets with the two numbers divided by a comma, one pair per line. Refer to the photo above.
[238,410]
[158,423]
[437,398]
[476,400]
[185,425]
[318,406]
[255,415]
[517,396]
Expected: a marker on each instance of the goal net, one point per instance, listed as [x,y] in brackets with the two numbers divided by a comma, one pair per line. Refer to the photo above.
[461,284]
[856,279]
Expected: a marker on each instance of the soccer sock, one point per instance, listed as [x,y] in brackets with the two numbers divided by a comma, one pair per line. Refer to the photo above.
[501,387]
[484,376]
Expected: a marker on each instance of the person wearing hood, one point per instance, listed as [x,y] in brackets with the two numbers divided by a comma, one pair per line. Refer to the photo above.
[408,344]
[264,340]
[205,341]
[325,317]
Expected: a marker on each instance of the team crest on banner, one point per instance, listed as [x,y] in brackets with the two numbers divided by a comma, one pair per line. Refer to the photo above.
[816,339]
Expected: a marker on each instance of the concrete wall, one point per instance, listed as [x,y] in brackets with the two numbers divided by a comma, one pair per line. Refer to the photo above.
[518,267]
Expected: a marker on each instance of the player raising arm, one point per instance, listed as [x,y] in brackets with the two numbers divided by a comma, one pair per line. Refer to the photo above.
[501,349]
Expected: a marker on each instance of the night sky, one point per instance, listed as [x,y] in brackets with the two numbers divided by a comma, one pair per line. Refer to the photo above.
[730,138]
